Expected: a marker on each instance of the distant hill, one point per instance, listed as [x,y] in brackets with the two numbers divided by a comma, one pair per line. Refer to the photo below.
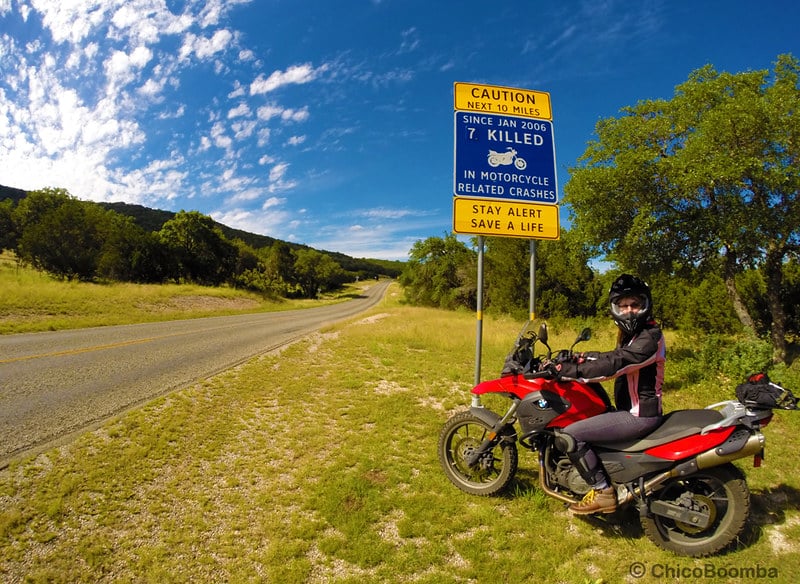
[153,219]
[11,193]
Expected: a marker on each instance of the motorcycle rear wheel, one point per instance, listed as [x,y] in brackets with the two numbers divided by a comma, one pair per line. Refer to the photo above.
[461,436]
[722,491]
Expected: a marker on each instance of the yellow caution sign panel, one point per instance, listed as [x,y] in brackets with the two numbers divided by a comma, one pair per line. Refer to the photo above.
[507,101]
[505,219]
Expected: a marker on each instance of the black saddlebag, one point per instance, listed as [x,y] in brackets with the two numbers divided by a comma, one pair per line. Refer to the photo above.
[759,391]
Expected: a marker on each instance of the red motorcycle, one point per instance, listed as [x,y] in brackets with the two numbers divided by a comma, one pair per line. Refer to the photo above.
[691,499]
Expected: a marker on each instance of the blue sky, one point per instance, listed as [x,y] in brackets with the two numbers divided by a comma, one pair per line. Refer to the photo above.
[329,122]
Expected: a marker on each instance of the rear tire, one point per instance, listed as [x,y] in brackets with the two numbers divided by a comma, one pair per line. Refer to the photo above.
[722,491]
[463,434]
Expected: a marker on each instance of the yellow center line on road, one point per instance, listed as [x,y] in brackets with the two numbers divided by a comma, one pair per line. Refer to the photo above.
[77,351]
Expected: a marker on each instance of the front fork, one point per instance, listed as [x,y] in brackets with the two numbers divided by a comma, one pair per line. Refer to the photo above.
[502,429]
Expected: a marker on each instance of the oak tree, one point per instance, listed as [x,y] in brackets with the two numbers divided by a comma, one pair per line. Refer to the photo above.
[708,179]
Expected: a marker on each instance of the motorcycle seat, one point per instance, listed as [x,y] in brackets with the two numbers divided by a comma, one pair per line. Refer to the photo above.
[675,425]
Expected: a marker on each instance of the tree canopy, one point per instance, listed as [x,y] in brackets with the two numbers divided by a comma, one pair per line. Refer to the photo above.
[81,240]
[565,283]
[706,180]
[440,273]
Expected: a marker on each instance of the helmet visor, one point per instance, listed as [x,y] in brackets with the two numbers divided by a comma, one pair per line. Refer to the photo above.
[630,306]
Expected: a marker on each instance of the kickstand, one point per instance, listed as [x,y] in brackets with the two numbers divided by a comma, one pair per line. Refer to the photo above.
[641,501]
[644,508]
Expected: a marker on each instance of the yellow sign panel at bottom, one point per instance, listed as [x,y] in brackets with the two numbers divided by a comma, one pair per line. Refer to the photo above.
[505,218]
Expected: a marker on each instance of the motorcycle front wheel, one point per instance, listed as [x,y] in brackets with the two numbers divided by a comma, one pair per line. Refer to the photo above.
[460,437]
[720,491]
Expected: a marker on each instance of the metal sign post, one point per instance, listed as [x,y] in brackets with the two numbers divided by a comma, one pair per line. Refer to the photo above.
[504,175]
[476,400]
[532,297]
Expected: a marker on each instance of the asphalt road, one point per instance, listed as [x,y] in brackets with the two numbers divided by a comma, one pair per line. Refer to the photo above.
[54,385]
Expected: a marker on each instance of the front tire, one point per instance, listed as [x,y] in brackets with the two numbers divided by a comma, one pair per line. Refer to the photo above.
[721,491]
[462,435]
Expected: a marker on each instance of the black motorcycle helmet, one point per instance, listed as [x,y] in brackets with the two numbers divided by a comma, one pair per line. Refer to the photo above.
[630,287]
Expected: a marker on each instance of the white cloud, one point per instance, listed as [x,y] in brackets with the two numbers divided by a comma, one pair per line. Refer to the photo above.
[140,56]
[93,105]
[265,112]
[145,22]
[152,88]
[172,115]
[118,66]
[126,16]
[99,130]
[384,213]
[294,115]
[238,91]
[204,47]
[245,195]
[210,14]
[410,40]
[278,172]
[263,138]
[269,111]
[360,241]
[243,129]
[297,74]
[273,202]
[272,219]
[219,137]
[277,180]
[241,110]
[70,20]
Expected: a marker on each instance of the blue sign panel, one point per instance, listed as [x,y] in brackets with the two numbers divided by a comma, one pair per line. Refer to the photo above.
[504,157]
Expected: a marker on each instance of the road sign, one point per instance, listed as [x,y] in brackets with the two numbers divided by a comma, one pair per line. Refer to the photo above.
[504,157]
[501,218]
[502,100]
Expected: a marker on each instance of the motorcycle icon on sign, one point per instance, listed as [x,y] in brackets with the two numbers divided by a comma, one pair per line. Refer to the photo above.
[496,159]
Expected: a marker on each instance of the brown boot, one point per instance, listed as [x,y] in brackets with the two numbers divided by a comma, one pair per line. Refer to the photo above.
[596,501]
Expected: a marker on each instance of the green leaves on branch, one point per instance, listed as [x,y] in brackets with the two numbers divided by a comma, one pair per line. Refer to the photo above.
[442,272]
[707,180]
[79,240]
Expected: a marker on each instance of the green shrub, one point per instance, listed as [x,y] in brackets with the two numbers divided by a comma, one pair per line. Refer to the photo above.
[718,356]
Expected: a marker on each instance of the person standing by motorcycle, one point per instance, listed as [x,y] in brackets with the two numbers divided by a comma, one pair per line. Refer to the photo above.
[637,365]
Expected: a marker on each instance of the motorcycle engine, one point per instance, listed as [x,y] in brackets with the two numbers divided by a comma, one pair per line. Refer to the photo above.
[568,477]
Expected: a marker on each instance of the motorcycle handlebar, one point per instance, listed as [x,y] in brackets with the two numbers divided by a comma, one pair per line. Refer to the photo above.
[540,374]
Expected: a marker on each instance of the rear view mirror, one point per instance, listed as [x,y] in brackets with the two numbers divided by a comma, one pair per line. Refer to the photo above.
[543,332]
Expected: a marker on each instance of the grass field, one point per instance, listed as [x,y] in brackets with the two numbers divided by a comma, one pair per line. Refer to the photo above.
[32,301]
[318,464]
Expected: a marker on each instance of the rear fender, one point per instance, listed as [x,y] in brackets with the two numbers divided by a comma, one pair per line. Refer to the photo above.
[691,445]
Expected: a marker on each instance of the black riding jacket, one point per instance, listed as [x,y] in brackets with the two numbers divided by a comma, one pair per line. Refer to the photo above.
[637,365]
